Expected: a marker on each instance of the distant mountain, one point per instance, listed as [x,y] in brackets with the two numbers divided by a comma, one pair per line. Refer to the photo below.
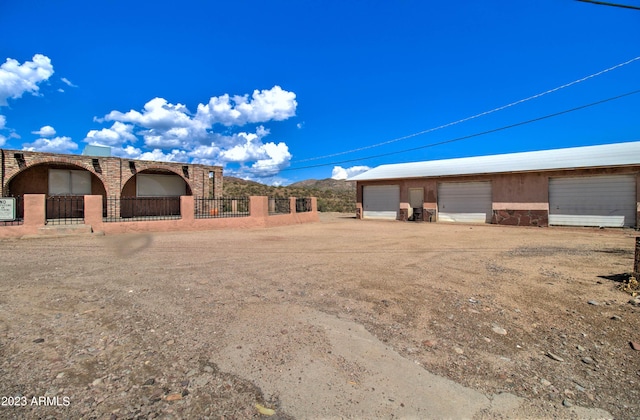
[326,184]
[333,195]
[240,181]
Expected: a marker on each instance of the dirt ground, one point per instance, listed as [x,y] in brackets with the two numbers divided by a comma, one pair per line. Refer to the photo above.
[341,318]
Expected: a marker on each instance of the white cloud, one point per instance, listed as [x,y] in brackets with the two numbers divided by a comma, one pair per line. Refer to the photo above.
[118,134]
[277,157]
[164,125]
[157,114]
[250,149]
[269,158]
[159,156]
[205,154]
[128,152]
[274,104]
[68,82]
[16,78]
[45,131]
[54,145]
[344,173]
[172,132]
[3,126]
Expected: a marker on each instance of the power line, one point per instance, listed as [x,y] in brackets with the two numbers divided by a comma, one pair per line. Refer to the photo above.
[506,127]
[604,3]
[473,116]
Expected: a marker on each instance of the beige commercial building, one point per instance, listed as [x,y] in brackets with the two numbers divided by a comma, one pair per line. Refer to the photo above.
[579,186]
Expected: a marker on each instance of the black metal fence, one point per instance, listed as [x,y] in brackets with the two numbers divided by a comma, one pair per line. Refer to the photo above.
[303,205]
[65,210]
[133,209]
[208,208]
[19,213]
[278,205]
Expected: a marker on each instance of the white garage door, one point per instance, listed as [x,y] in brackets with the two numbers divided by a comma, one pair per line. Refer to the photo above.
[381,201]
[608,200]
[468,202]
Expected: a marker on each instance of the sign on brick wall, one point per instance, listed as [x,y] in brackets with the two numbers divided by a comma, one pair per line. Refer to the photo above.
[7,209]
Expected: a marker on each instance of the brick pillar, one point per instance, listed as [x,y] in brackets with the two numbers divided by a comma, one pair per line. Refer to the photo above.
[292,205]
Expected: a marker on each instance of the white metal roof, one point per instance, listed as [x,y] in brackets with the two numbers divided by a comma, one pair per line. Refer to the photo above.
[618,154]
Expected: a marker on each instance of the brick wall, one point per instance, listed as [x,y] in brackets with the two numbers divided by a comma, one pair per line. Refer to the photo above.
[27,169]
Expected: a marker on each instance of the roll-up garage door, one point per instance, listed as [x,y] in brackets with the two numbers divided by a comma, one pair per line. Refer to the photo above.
[468,202]
[607,200]
[381,201]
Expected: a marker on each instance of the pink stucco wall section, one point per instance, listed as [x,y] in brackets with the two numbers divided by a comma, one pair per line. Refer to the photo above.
[34,218]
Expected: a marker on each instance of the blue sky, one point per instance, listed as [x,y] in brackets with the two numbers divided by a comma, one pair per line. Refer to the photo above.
[278,91]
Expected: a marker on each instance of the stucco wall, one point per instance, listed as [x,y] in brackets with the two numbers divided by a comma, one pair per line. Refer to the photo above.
[528,191]
[35,219]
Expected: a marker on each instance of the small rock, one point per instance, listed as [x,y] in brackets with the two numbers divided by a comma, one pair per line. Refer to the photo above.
[149,382]
[458,350]
[580,348]
[429,343]
[554,357]
[593,302]
[156,396]
[635,345]
[587,360]
[616,318]
[567,403]
[60,375]
[38,340]
[499,330]
[173,397]
[545,382]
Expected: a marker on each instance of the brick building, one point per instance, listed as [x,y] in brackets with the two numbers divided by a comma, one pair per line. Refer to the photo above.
[24,172]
